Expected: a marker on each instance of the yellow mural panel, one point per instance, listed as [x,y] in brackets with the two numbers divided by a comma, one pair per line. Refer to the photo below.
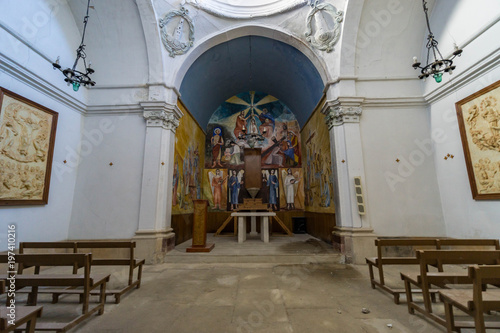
[188,164]
[317,164]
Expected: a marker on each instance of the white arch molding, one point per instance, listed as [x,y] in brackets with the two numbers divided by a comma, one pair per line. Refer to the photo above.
[344,136]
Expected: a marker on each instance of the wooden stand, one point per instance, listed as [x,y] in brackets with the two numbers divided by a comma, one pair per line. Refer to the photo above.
[200,228]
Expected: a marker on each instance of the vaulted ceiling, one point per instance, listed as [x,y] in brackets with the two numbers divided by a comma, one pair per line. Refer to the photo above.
[251,63]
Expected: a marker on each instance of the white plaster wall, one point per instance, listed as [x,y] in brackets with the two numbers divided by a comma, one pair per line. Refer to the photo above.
[403,197]
[475,27]
[47,222]
[49,27]
[464,216]
[107,198]
[115,41]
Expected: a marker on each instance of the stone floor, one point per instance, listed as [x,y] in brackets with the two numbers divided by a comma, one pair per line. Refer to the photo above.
[238,294]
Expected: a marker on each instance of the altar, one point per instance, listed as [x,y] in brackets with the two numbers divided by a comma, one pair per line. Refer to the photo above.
[264,224]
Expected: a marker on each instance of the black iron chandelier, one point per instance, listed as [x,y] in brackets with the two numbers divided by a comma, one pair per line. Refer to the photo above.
[439,65]
[72,75]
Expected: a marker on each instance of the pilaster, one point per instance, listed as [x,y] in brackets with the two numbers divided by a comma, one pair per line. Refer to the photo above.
[343,116]
[154,236]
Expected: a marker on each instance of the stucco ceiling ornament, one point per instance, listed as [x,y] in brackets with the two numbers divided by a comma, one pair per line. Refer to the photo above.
[175,41]
[323,37]
[244,9]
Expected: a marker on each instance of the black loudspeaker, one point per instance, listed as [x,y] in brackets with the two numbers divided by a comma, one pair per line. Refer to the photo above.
[299,225]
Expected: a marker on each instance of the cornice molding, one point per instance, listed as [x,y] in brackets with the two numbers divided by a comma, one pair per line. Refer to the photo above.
[39,84]
[459,80]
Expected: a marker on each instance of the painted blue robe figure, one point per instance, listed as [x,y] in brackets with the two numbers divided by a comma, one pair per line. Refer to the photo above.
[234,187]
[326,192]
[272,182]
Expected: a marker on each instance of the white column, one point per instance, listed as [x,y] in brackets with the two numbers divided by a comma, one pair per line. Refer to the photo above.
[154,235]
[343,117]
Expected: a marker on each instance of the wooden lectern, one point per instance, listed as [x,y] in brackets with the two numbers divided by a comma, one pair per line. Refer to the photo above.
[200,228]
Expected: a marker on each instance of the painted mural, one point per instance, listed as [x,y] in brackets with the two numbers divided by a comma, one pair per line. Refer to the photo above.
[215,189]
[256,120]
[291,186]
[318,175]
[253,119]
[188,164]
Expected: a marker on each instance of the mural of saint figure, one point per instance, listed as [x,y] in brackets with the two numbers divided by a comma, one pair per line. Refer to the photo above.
[234,189]
[217,180]
[239,127]
[175,183]
[217,142]
[290,186]
[273,184]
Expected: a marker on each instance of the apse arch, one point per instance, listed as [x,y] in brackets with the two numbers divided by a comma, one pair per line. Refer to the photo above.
[251,58]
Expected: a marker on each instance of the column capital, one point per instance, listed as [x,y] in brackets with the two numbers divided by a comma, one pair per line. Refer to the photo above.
[161,114]
[337,112]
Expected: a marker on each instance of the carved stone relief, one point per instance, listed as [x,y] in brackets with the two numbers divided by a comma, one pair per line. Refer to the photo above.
[173,36]
[24,146]
[323,26]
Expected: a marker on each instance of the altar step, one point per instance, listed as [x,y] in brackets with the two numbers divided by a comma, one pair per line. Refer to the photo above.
[202,258]
[299,249]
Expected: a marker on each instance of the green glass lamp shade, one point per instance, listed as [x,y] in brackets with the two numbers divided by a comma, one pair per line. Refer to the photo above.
[438,77]
[76,85]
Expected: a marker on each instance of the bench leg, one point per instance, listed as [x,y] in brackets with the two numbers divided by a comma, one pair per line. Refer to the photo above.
[102,298]
[117,298]
[370,270]
[409,297]
[396,298]
[139,276]
[55,298]
[479,321]
[33,296]
[450,319]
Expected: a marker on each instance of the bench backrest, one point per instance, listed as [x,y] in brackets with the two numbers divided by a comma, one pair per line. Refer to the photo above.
[75,260]
[46,245]
[75,246]
[477,243]
[480,276]
[457,257]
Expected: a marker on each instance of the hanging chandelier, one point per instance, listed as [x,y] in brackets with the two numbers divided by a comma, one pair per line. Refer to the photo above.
[72,75]
[439,65]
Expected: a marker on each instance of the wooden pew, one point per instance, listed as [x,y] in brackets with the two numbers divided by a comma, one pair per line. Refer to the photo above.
[381,260]
[86,280]
[417,243]
[90,246]
[442,279]
[26,316]
[475,301]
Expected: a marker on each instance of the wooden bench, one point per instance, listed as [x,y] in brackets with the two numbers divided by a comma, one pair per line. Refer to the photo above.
[382,260]
[90,246]
[86,280]
[417,243]
[25,316]
[475,301]
[442,279]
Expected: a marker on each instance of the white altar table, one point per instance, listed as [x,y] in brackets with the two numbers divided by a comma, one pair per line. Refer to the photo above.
[264,225]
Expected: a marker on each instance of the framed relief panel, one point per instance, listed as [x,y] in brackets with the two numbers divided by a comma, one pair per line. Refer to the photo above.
[27,135]
[479,122]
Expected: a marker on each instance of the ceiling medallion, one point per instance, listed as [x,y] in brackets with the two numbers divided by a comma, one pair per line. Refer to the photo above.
[172,32]
[324,37]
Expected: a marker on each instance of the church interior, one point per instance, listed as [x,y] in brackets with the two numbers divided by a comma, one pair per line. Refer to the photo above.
[249,154]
